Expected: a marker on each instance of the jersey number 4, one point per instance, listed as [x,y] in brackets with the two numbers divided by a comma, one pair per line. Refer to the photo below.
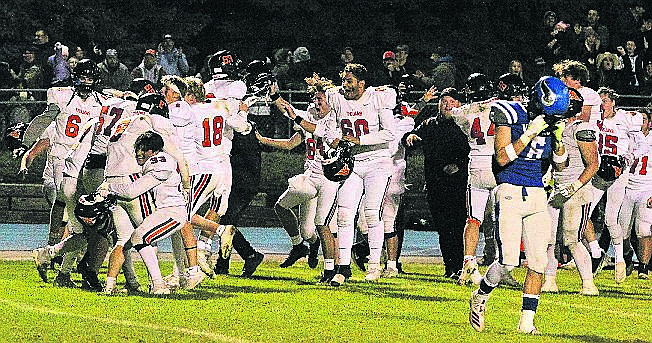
[212,133]
[478,134]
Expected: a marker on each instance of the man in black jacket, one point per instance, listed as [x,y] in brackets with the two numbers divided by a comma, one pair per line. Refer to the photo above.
[446,156]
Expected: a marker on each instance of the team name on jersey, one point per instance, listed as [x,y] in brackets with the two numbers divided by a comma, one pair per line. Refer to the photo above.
[81,111]
[354,113]
[600,125]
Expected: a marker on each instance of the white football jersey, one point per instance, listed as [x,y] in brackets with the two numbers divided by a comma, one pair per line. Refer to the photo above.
[575,163]
[474,121]
[592,98]
[215,123]
[182,118]
[621,135]
[640,172]
[120,153]
[225,89]
[370,119]
[113,111]
[317,149]
[160,178]
[73,114]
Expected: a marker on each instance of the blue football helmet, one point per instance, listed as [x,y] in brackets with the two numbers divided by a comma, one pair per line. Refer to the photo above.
[550,97]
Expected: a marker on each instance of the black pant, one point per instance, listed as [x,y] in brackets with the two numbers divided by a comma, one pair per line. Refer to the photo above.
[447,205]
[238,202]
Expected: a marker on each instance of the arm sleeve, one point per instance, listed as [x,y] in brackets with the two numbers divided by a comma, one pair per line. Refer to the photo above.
[136,188]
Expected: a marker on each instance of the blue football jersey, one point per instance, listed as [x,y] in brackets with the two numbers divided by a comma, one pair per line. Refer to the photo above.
[527,169]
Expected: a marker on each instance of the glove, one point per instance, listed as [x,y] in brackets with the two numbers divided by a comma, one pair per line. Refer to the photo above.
[559,129]
[19,152]
[568,189]
[536,126]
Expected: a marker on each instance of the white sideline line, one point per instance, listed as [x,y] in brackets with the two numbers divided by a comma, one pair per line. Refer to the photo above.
[210,335]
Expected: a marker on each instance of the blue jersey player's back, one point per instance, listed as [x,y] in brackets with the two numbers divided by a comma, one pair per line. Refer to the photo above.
[527,169]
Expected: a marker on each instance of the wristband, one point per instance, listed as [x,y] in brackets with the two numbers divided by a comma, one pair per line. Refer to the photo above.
[298,120]
[511,153]
[274,97]
[560,158]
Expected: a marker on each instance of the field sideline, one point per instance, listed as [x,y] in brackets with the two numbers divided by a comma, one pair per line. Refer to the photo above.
[287,305]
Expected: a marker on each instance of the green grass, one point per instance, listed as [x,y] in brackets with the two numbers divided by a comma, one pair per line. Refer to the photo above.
[287,305]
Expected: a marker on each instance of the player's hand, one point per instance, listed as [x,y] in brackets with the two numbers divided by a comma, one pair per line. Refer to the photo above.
[559,129]
[568,189]
[19,152]
[409,141]
[536,126]
[430,94]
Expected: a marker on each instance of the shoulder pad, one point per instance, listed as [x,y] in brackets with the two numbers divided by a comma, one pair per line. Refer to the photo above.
[502,113]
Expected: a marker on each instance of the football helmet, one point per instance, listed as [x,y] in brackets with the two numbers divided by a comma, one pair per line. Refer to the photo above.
[549,97]
[14,136]
[478,87]
[223,65]
[258,77]
[611,167]
[141,86]
[339,165]
[92,210]
[153,103]
[510,85]
[86,76]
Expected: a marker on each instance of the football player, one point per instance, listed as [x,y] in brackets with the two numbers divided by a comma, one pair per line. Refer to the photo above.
[312,184]
[214,123]
[363,116]
[521,200]
[636,209]
[162,181]
[570,201]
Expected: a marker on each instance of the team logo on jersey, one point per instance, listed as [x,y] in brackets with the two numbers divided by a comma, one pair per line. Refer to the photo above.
[345,171]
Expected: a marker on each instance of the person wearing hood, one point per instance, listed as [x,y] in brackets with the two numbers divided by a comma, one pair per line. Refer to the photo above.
[113,73]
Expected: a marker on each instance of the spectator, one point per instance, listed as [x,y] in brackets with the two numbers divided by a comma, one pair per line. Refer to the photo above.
[628,22]
[390,74]
[646,89]
[592,23]
[42,51]
[300,67]
[443,74]
[113,73]
[632,68]
[644,37]
[172,59]
[59,64]
[80,54]
[72,63]
[516,67]
[31,75]
[347,56]
[282,61]
[608,73]
[555,40]
[149,69]
[589,49]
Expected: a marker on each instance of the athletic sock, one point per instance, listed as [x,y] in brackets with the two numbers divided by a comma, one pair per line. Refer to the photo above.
[329,264]
[391,264]
[596,252]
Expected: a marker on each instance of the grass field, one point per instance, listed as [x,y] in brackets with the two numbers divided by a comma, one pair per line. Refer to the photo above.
[287,305]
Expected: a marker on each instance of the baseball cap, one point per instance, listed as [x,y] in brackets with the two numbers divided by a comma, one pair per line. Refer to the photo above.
[111,52]
[389,54]
[150,52]
[167,36]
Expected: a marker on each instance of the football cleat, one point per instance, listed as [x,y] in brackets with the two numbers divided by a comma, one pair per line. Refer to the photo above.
[204,262]
[470,273]
[327,276]
[478,305]
[508,280]
[226,241]
[90,281]
[173,282]
[298,251]
[313,254]
[550,285]
[643,275]
[373,274]
[620,272]
[42,258]
[598,263]
[360,253]
[529,330]
[343,272]
[390,273]
[132,287]
[159,289]
[589,289]
[191,278]
[63,280]
[252,263]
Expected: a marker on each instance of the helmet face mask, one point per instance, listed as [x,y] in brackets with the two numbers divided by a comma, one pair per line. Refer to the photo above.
[510,86]
[340,165]
[86,76]
[92,210]
[259,78]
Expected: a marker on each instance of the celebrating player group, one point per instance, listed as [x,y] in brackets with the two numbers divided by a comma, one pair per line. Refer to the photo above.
[128,168]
